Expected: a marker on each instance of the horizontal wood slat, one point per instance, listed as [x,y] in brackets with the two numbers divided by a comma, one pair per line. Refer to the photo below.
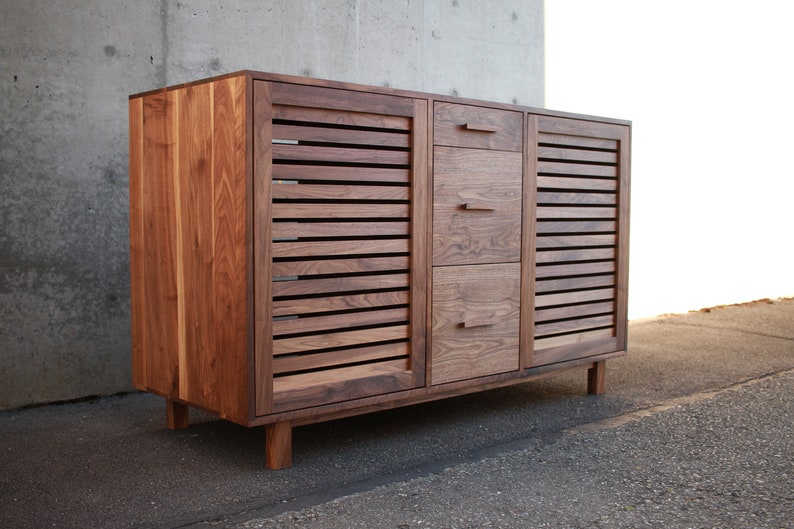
[566,241]
[577,338]
[346,383]
[340,321]
[589,199]
[559,168]
[575,226]
[286,230]
[341,174]
[579,254]
[338,192]
[339,284]
[339,339]
[576,155]
[340,136]
[575,346]
[570,182]
[550,300]
[291,307]
[575,212]
[577,141]
[336,248]
[366,109]
[340,155]
[306,362]
[571,269]
[575,325]
[339,211]
[573,283]
[321,379]
[340,266]
[574,311]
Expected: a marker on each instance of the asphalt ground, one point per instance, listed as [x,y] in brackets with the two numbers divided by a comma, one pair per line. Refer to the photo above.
[695,430]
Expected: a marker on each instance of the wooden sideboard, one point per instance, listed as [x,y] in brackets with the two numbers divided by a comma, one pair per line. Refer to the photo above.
[304,250]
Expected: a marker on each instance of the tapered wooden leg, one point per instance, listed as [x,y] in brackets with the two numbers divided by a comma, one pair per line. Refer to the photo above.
[278,445]
[177,415]
[596,378]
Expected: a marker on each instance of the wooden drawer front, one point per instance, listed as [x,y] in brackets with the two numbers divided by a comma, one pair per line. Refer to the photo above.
[476,206]
[477,127]
[475,321]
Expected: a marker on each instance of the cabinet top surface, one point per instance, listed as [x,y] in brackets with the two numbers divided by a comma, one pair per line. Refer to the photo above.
[299,80]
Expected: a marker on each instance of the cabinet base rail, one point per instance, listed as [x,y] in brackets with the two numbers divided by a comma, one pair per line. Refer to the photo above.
[278,435]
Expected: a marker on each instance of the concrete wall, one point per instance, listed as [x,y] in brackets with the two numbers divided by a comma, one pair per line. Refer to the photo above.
[66,69]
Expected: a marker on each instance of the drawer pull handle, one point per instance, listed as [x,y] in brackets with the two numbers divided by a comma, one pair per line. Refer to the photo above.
[478,206]
[481,127]
[479,323]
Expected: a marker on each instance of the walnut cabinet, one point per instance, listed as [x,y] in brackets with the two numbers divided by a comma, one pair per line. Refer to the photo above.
[304,250]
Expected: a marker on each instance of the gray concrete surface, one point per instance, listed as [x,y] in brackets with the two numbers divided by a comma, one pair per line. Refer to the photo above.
[66,70]
[695,430]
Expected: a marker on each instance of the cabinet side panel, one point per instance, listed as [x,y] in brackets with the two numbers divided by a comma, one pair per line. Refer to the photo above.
[230,279]
[211,246]
[136,241]
[195,245]
[159,286]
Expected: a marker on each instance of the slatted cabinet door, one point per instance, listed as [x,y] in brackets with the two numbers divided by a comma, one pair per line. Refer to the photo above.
[580,172]
[343,176]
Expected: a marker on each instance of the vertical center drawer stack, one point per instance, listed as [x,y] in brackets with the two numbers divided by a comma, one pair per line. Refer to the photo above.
[477,200]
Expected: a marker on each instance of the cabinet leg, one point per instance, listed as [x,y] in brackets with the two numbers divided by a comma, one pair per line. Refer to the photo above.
[278,445]
[596,375]
[177,415]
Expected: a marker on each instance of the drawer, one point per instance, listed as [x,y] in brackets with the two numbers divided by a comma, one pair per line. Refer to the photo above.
[475,314]
[476,206]
[477,127]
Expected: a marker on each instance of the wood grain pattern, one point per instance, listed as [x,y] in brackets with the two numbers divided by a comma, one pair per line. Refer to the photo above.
[137,279]
[340,211]
[349,383]
[333,173]
[177,415]
[189,201]
[313,362]
[596,378]
[340,192]
[579,265]
[339,284]
[263,174]
[286,133]
[278,445]
[489,179]
[281,258]
[161,337]
[337,303]
[340,155]
[491,128]
[459,352]
[348,182]
[286,230]
[340,321]
[386,110]
[341,266]
[336,339]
